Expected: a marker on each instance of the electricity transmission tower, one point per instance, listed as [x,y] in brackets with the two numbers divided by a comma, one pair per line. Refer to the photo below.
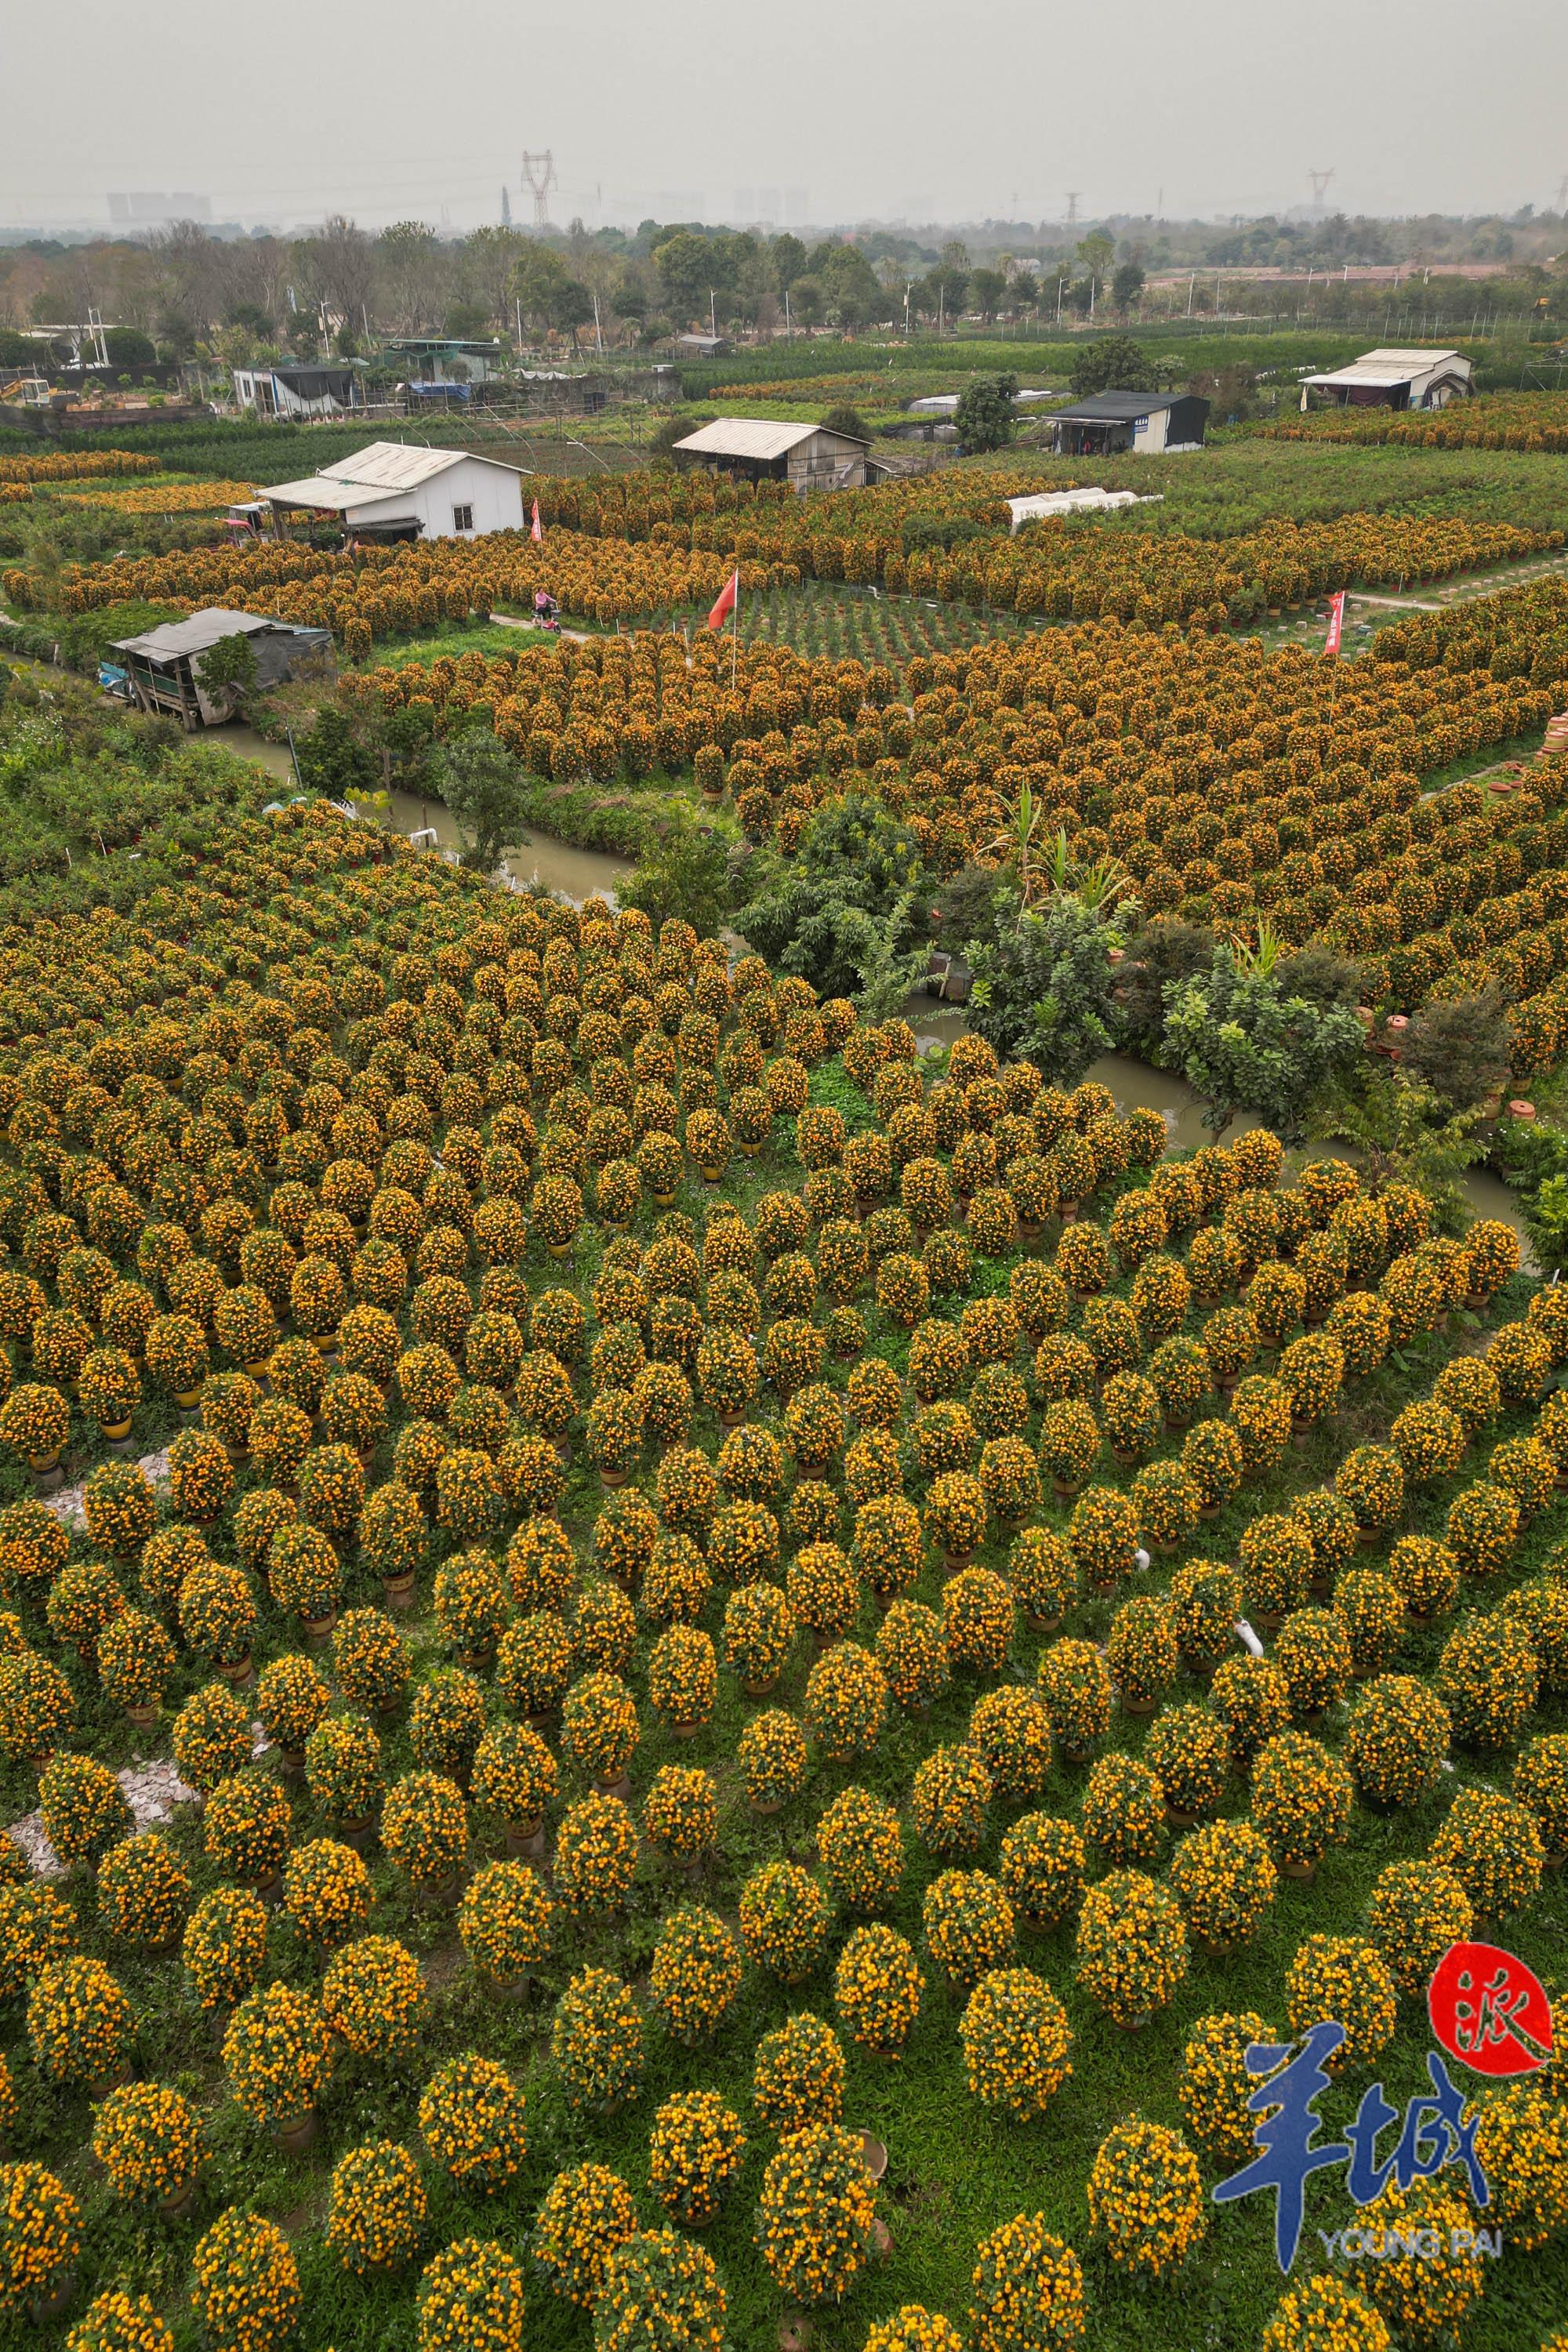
[538,170]
[1320,183]
[1073,196]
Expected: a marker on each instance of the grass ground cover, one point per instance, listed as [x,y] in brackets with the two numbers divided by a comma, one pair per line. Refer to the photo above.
[295,916]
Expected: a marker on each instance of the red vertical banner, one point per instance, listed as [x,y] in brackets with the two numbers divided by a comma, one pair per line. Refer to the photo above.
[726,601]
[536,529]
[1336,623]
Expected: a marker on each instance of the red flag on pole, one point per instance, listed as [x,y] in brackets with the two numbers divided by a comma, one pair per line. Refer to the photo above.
[1336,623]
[726,601]
[537,528]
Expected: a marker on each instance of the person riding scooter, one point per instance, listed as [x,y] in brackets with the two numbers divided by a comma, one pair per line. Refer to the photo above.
[546,610]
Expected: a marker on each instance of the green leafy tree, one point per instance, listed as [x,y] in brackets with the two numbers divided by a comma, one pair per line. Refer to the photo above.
[849,420]
[984,416]
[854,893]
[1114,363]
[788,256]
[671,429]
[128,347]
[1096,252]
[684,871]
[409,741]
[228,671]
[986,290]
[333,758]
[1042,994]
[1400,1134]
[808,305]
[1546,1222]
[1160,955]
[1127,286]
[545,290]
[1240,1039]
[688,270]
[481,784]
[1458,1045]
[850,293]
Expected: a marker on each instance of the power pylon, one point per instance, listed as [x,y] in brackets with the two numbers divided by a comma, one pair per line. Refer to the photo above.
[1320,183]
[538,170]
[1073,196]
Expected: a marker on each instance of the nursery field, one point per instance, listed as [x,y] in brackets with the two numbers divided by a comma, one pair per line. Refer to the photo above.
[823,622]
[1235,784]
[734,1538]
[1522,421]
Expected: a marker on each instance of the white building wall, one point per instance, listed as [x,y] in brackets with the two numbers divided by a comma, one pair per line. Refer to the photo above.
[494,493]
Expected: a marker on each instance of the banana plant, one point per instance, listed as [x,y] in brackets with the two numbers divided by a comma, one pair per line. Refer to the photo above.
[1259,957]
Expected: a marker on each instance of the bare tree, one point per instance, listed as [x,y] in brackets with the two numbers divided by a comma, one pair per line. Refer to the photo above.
[416,276]
[338,267]
[486,261]
[188,264]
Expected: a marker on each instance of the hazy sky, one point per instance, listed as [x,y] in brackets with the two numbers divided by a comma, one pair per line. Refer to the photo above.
[814,110]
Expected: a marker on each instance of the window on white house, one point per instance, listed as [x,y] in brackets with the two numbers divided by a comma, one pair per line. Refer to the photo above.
[462,518]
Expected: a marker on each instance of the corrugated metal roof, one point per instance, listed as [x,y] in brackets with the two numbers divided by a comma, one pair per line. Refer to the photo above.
[317,490]
[376,472]
[1116,407]
[196,634]
[1396,355]
[751,436]
[1389,365]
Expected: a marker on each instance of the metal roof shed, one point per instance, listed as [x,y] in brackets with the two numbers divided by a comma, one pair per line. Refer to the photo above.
[1149,423]
[1391,377]
[755,449]
[165,665]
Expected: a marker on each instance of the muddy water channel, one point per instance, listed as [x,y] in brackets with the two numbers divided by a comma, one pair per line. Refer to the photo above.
[579,874]
[1137,1087]
[575,874]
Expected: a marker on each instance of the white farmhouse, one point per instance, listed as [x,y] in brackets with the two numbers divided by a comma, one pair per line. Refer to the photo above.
[400,491]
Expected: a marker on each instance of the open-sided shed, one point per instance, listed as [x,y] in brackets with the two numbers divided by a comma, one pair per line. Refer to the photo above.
[163,665]
[754,449]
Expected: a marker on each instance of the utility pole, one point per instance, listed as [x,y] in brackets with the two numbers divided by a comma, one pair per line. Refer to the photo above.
[712,317]
[1191,282]
[598,331]
[538,170]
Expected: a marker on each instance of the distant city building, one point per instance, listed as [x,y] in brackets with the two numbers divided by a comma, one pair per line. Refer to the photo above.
[147,209]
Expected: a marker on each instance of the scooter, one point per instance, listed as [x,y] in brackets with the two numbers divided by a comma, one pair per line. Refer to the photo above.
[545,612]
